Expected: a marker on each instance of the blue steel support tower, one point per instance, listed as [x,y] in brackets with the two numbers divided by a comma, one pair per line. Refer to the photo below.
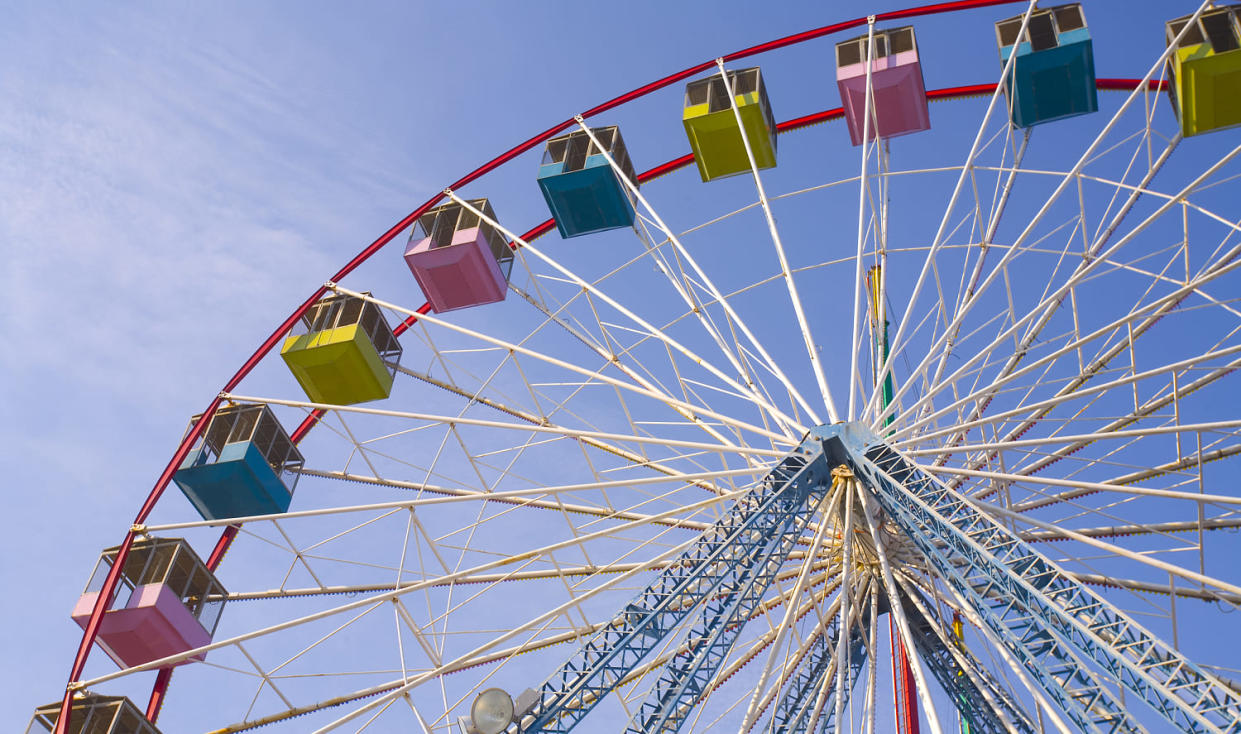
[1072,643]
[1061,631]
[795,709]
[980,698]
[731,565]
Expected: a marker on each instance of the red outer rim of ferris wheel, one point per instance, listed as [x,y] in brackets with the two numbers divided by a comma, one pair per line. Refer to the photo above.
[91,630]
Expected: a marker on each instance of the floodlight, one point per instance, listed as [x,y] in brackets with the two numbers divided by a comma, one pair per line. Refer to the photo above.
[492,711]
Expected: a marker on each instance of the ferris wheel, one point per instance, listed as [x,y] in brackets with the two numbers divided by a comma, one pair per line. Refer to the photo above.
[808,429]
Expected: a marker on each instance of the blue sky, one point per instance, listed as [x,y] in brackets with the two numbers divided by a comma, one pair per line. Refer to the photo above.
[175,178]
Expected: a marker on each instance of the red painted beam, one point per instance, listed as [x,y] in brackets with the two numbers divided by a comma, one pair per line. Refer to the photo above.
[160,689]
[909,691]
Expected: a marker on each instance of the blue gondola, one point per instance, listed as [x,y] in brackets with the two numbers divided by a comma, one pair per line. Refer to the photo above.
[581,189]
[242,464]
[1053,76]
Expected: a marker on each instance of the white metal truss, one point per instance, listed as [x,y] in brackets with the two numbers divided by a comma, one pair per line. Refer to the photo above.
[1065,380]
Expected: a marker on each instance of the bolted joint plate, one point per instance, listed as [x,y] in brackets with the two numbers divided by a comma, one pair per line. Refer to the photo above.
[840,443]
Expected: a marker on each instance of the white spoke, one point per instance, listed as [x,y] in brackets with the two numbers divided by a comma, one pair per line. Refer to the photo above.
[373,600]
[1080,485]
[1110,548]
[719,297]
[1098,389]
[1034,221]
[461,420]
[798,310]
[1076,438]
[897,610]
[754,710]
[669,400]
[855,326]
[1095,263]
[886,368]
[846,592]
[649,328]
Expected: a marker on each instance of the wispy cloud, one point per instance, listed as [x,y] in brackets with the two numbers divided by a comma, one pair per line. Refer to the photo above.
[162,206]
[151,195]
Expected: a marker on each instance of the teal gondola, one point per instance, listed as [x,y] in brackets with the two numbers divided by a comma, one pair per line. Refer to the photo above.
[582,190]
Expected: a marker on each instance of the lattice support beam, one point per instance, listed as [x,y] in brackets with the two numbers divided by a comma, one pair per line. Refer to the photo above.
[685,678]
[1069,640]
[814,680]
[721,570]
[979,698]
[797,698]
[1051,623]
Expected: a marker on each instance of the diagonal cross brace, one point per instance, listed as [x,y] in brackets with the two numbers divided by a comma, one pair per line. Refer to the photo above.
[1051,621]
[814,678]
[807,677]
[714,568]
[1085,699]
[978,697]
[684,680]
